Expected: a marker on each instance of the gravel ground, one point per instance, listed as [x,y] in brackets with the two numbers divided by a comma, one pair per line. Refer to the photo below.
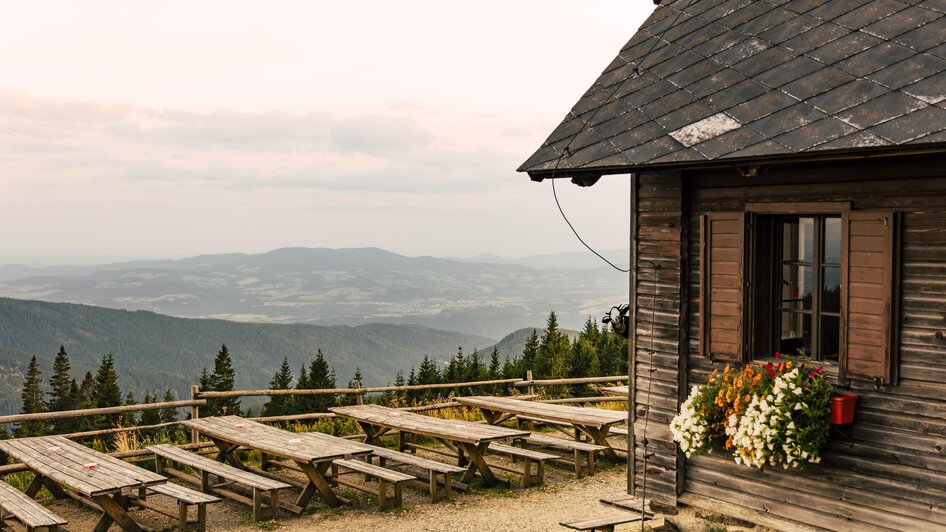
[541,508]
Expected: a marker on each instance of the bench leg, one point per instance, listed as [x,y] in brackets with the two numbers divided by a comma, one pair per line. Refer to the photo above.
[540,472]
[182,515]
[382,493]
[274,504]
[201,517]
[526,472]
[434,489]
[397,494]
[257,504]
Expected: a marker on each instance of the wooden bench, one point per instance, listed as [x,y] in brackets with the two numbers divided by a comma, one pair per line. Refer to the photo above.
[527,456]
[372,472]
[583,452]
[262,487]
[185,498]
[33,515]
[433,468]
[604,523]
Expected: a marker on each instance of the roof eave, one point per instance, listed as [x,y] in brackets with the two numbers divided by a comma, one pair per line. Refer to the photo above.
[792,158]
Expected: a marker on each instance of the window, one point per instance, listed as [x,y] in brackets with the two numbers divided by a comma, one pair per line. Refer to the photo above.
[808,300]
[811,276]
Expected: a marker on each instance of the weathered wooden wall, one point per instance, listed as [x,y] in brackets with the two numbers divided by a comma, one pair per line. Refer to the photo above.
[660,317]
[889,472]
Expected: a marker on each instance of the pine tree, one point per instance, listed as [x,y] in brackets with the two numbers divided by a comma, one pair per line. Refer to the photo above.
[495,369]
[475,370]
[303,404]
[554,352]
[129,419]
[457,370]
[399,396]
[321,376]
[106,392]
[350,398]
[31,402]
[412,395]
[150,417]
[427,373]
[222,380]
[529,353]
[169,415]
[279,405]
[60,384]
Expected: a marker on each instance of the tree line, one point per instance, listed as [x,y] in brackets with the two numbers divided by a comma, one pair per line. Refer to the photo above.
[549,354]
[99,390]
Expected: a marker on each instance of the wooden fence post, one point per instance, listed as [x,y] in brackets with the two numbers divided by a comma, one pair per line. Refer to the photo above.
[359,396]
[195,413]
[529,378]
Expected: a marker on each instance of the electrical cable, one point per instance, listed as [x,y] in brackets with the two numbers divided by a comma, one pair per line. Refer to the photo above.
[555,194]
[655,266]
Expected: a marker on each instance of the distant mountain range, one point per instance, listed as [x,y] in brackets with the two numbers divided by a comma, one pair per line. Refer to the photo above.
[153,351]
[475,296]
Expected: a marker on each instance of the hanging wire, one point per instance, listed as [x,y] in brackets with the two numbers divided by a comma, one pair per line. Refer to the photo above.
[572,227]
[655,266]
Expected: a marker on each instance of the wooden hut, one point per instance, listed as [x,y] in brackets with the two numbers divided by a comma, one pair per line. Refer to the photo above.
[788,168]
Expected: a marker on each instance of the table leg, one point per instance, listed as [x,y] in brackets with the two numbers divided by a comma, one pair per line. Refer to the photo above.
[317,483]
[475,453]
[494,417]
[228,453]
[115,510]
[372,433]
[40,481]
[599,437]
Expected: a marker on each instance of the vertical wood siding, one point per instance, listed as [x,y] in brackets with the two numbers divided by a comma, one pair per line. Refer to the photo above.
[660,232]
[889,471]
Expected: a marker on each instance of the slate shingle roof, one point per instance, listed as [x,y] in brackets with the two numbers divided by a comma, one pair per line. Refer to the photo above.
[717,80]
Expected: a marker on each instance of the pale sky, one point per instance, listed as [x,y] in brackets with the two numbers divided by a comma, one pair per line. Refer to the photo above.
[133,130]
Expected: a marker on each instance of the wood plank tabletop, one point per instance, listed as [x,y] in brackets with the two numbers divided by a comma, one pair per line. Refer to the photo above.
[77,467]
[562,413]
[297,446]
[448,429]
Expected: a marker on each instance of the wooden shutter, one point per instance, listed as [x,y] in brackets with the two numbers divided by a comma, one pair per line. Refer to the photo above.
[722,285]
[869,245]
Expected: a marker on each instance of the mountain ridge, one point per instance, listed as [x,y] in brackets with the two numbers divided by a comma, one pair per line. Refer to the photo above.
[326,286]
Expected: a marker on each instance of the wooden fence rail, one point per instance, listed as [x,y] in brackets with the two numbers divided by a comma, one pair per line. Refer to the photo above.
[66,414]
[199,399]
[358,391]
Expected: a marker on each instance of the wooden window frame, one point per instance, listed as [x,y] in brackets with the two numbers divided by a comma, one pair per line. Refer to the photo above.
[858,359]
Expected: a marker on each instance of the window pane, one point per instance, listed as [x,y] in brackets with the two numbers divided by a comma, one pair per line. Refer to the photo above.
[796,333]
[832,240]
[830,337]
[797,284]
[798,239]
[831,292]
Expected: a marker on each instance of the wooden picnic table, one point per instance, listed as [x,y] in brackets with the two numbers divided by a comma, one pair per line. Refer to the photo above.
[312,454]
[468,440]
[61,464]
[593,422]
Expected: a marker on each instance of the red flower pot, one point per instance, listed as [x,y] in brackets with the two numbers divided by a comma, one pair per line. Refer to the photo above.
[842,408]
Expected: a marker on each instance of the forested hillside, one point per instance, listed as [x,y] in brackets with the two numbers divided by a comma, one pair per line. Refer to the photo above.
[153,352]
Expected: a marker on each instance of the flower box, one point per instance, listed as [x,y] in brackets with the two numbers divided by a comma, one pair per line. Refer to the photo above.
[842,408]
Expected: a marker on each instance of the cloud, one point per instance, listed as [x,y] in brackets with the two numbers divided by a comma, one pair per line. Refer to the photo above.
[227,149]
[407,178]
